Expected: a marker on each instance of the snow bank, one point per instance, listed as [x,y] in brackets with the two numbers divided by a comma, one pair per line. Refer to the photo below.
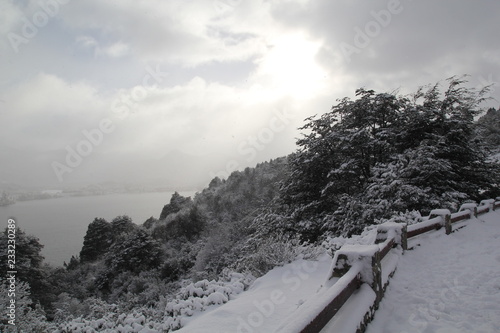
[269,300]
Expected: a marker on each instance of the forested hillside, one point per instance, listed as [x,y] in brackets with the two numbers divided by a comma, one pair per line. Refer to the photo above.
[366,160]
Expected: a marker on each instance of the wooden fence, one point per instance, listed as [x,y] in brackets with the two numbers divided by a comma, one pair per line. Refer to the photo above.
[356,265]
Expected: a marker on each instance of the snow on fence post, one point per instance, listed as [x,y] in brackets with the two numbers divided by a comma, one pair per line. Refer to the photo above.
[462,215]
[341,266]
[486,206]
[445,215]
[397,231]
[470,206]
[496,203]
[369,257]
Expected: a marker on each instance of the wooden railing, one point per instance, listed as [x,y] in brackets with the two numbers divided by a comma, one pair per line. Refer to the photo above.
[356,265]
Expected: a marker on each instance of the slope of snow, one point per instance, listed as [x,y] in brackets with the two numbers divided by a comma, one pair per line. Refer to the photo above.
[450,283]
[270,299]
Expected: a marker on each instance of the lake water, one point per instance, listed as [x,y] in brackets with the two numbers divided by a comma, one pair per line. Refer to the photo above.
[61,223]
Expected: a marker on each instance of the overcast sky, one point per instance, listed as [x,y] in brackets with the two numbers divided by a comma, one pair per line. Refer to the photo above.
[177,91]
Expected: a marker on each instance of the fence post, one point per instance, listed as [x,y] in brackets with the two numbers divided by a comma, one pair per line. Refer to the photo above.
[445,216]
[377,278]
[341,266]
[488,202]
[404,237]
[393,229]
[494,203]
[447,223]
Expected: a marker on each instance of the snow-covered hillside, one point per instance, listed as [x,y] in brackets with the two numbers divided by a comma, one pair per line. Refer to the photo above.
[447,283]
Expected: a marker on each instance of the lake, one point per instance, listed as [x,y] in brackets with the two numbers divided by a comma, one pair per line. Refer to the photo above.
[61,223]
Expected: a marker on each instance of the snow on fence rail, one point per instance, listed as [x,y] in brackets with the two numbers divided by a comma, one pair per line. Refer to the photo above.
[355,267]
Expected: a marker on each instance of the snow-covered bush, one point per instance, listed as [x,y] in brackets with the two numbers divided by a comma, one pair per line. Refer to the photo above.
[408,217]
[264,254]
[163,316]
[197,296]
[27,318]
[333,243]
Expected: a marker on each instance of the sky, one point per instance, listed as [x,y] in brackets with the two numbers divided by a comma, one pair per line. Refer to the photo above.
[177,92]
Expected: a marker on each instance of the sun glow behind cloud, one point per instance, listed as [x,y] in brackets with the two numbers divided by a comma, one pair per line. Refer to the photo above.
[290,67]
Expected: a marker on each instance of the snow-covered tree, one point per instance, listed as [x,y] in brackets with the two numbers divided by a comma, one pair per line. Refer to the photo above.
[122,225]
[381,154]
[29,316]
[97,240]
[177,202]
[137,252]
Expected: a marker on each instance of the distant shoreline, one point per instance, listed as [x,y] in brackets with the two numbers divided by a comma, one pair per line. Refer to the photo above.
[11,199]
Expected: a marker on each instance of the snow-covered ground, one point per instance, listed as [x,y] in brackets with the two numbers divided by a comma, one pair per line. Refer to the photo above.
[269,300]
[448,284]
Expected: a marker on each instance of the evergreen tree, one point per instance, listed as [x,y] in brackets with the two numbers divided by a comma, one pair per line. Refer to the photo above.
[488,129]
[28,264]
[137,252]
[29,317]
[122,225]
[177,202]
[97,240]
[73,263]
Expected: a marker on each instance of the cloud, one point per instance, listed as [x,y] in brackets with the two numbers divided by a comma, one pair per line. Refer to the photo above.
[186,33]
[91,45]
[424,42]
[228,67]
[198,118]
[87,43]
[46,111]
[117,50]
[10,16]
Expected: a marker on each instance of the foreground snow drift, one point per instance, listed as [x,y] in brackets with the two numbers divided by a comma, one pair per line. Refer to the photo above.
[269,301]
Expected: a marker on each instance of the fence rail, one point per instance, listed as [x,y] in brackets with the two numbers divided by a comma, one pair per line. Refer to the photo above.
[355,265]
